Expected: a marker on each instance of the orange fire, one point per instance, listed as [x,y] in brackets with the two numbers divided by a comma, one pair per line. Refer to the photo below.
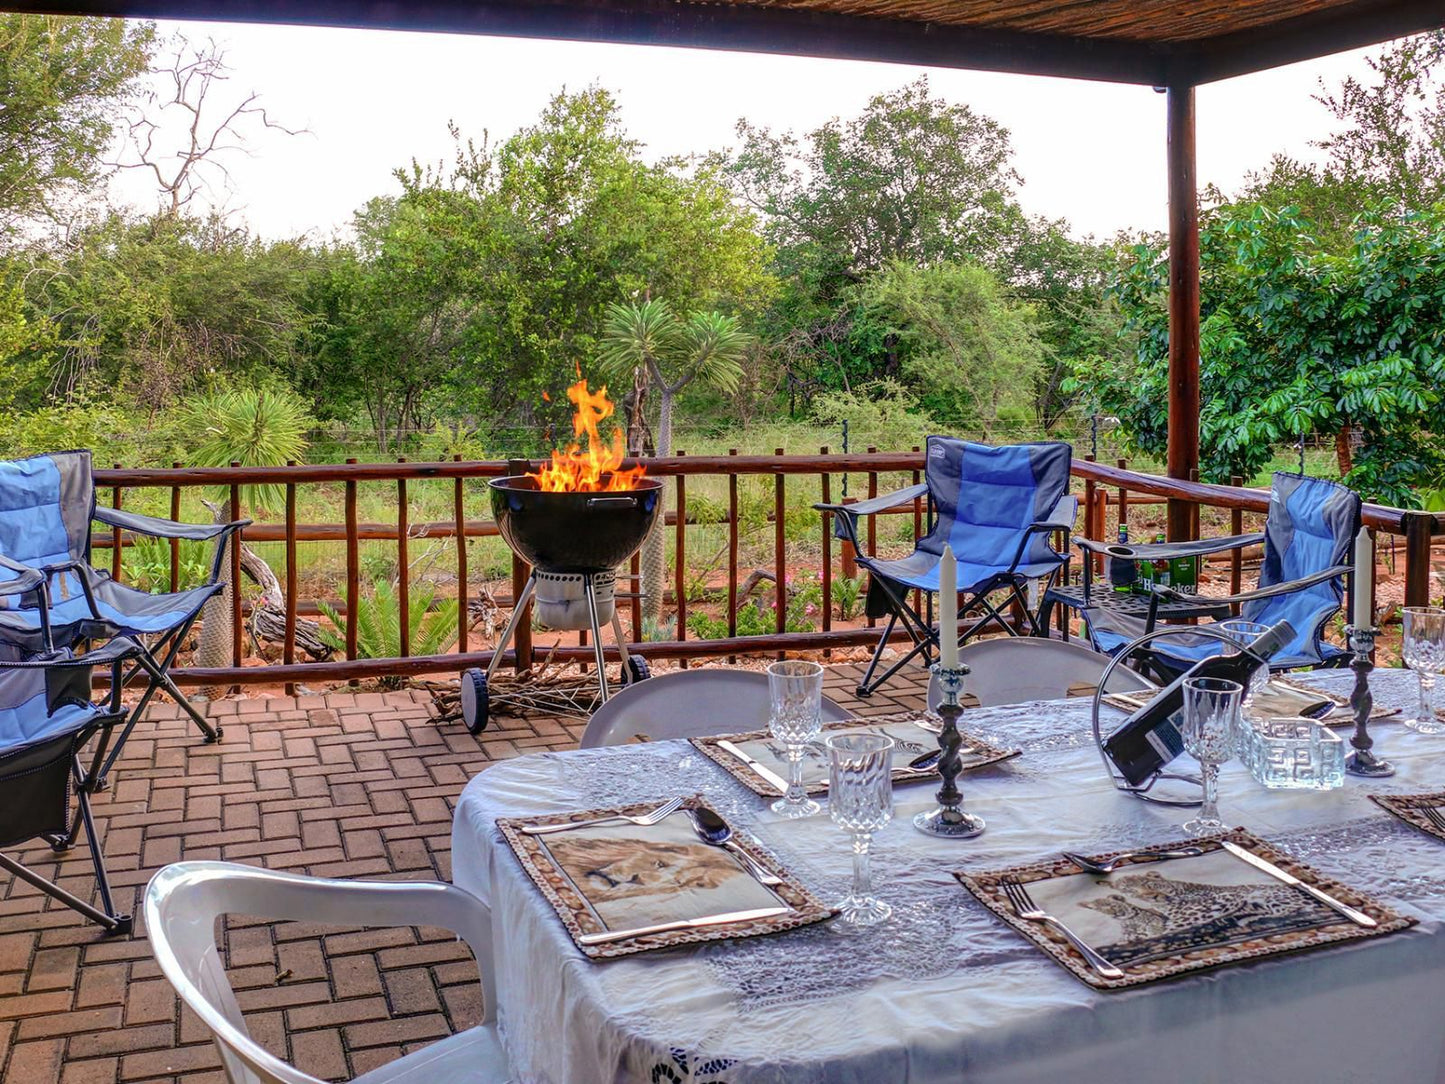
[597,468]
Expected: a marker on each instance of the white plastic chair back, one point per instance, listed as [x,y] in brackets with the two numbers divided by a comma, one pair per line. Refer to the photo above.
[184,900]
[688,704]
[1017,669]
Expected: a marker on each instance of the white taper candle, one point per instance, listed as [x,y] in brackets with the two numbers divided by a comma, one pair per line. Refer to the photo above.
[1362,613]
[948,609]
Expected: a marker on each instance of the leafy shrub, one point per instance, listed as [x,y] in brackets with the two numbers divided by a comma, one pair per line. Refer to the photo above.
[848,595]
[148,564]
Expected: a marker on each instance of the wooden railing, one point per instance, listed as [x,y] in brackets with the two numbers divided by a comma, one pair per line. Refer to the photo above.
[1101,486]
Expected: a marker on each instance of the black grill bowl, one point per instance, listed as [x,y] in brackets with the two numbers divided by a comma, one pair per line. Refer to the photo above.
[573,532]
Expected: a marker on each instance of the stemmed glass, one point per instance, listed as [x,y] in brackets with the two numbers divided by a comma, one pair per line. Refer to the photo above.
[1247,632]
[860,801]
[1211,716]
[796,688]
[1423,649]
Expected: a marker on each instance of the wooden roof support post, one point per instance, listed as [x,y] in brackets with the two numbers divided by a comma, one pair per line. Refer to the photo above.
[1183,457]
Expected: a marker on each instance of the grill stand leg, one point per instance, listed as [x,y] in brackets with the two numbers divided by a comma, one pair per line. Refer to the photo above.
[518,609]
[621,639]
[597,635]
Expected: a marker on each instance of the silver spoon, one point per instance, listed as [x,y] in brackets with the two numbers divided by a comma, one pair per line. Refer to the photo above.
[1088,865]
[712,829]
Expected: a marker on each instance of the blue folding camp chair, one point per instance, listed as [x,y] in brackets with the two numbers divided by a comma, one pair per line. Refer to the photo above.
[47,504]
[1307,539]
[46,720]
[997,508]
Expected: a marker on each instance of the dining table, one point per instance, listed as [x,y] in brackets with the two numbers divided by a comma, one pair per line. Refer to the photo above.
[944,990]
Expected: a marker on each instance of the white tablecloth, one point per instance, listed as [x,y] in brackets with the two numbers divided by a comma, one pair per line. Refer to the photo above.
[944,991]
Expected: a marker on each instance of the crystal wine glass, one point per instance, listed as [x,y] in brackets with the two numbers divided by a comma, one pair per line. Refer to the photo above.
[1423,648]
[796,688]
[1247,632]
[1211,716]
[860,801]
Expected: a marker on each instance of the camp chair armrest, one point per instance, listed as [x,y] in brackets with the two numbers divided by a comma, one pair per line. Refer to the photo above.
[166,528]
[846,516]
[1272,590]
[1150,551]
[1043,526]
[26,578]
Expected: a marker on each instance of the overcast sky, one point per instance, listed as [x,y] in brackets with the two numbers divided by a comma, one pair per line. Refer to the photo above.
[1089,152]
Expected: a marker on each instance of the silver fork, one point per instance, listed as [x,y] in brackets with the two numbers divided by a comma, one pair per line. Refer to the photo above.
[667,809]
[1023,905]
[1434,816]
[1088,865]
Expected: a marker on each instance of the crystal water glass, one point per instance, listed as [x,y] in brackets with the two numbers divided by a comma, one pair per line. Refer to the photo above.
[1211,722]
[1423,649]
[860,801]
[796,689]
[1246,633]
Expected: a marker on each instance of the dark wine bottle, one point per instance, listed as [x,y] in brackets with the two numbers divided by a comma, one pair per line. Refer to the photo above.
[1151,737]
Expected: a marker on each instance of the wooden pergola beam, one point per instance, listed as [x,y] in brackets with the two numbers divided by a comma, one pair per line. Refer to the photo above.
[1183,453]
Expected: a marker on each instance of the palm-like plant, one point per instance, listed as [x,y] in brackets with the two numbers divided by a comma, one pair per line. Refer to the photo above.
[256,427]
[646,344]
[378,624]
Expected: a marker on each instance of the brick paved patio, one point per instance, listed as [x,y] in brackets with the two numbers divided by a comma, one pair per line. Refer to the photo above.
[342,785]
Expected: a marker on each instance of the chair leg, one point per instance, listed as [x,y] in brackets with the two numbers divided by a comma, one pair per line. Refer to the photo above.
[865,689]
[159,679]
[107,920]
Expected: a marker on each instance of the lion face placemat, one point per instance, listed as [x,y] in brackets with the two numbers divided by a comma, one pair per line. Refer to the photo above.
[1157,919]
[913,735]
[621,888]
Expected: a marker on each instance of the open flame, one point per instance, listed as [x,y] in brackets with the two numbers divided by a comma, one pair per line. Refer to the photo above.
[597,468]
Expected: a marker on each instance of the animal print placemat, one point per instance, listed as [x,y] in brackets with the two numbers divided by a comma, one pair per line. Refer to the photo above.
[1411,808]
[1157,919]
[913,735]
[606,879]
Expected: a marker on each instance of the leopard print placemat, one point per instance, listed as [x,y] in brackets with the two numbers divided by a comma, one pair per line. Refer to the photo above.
[1204,913]
[1410,809]
[976,752]
[581,918]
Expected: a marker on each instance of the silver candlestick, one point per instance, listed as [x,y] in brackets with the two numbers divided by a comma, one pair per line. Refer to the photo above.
[948,819]
[1362,761]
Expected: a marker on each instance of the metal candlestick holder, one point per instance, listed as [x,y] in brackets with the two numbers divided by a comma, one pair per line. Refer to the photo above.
[1362,761]
[949,820]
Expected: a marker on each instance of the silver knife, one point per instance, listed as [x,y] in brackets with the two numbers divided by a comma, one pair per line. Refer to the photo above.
[1325,898]
[682,924]
[763,772]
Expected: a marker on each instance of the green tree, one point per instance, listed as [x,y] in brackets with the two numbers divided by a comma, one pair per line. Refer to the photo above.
[1297,340]
[63,82]
[970,353]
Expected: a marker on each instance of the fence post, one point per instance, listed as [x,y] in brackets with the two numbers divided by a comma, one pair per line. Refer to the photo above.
[353,567]
[236,541]
[1123,464]
[872,521]
[1236,558]
[1419,526]
[459,516]
[175,542]
[288,647]
[825,493]
[115,539]
[780,553]
[403,567]
[680,559]
[732,555]
[522,637]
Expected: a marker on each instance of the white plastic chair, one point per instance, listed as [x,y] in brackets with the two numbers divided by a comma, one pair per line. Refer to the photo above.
[689,704]
[184,900]
[1017,669]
